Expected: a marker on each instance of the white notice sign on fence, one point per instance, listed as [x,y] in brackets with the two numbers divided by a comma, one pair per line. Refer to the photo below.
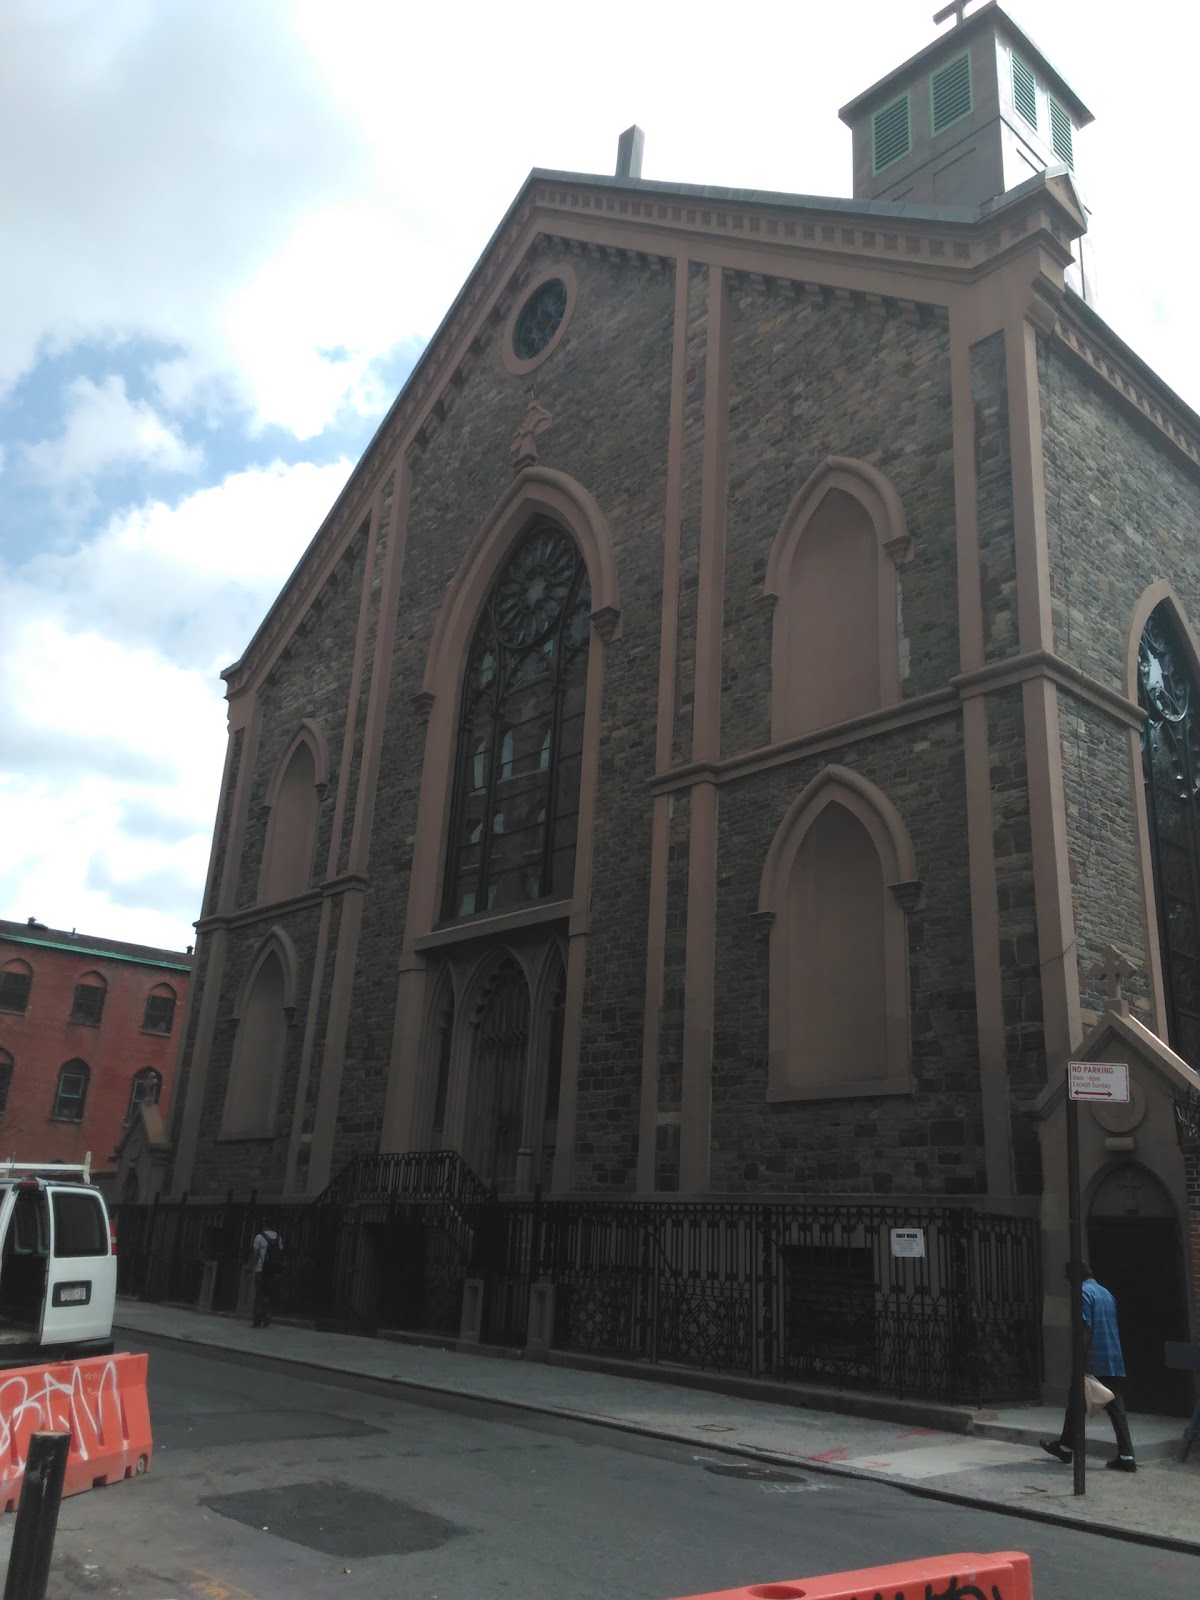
[908,1241]
[1099,1080]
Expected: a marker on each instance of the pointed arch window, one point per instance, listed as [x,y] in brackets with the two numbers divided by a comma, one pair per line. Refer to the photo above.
[70,1094]
[143,1091]
[16,980]
[6,1073]
[514,818]
[258,1054]
[1167,693]
[837,884]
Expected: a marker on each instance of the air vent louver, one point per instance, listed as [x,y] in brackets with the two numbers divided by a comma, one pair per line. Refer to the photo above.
[951,92]
[1024,86]
[1062,134]
[891,133]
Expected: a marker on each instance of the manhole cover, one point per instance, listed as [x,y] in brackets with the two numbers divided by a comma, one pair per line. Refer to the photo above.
[755,1471]
[337,1520]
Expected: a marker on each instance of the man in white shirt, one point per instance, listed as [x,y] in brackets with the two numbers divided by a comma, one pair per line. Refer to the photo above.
[267,1252]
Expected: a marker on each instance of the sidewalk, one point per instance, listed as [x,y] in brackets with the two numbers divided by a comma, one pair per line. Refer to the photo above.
[989,1458]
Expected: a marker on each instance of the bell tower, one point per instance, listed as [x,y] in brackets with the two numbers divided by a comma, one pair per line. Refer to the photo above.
[976,113]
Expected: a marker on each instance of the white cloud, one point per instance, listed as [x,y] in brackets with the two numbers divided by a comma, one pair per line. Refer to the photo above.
[104,428]
[112,708]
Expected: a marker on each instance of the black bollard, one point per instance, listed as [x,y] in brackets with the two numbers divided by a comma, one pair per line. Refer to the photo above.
[37,1516]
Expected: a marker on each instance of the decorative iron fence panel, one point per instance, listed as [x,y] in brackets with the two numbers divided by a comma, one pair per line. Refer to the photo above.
[793,1290]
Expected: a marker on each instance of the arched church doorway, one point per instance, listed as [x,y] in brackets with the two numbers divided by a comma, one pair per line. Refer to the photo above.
[1134,1249]
[493,1128]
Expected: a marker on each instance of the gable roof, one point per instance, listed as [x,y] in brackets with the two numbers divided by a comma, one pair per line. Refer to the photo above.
[759,230]
[1121,1027]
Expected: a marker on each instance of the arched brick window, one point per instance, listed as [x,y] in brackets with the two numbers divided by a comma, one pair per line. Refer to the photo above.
[839,879]
[6,1076]
[16,980]
[70,1094]
[87,1006]
[159,1016]
[514,818]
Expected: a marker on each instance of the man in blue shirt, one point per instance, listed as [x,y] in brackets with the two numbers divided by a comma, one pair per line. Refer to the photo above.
[1103,1359]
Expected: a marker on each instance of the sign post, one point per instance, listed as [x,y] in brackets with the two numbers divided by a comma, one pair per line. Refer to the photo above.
[1107,1082]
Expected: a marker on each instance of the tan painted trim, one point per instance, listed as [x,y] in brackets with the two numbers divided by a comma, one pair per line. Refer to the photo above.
[511,361]
[241,805]
[310,735]
[354,690]
[381,671]
[656,932]
[472,929]
[276,941]
[700,957]
[333,1055]
[1132,386]
[869,804]
[966,493]
[872,724]
[1035,627]
[836,785]
[1013,670]
[1057,951]
[405,1062]
[297,902]
[985,950]
[311,1015]
[206,1023]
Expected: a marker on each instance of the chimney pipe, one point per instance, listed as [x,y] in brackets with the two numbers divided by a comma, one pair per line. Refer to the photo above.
[629,152]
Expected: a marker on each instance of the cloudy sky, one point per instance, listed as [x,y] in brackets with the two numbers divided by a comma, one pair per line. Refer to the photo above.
[231,225]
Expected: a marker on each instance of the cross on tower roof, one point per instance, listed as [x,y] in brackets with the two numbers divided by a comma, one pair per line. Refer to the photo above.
[955,9]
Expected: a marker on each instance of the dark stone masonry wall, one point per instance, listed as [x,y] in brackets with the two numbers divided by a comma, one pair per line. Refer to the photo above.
[1102,835]
[928,1143]
[1122,511]
[606,388]
[810,379]
[312,681]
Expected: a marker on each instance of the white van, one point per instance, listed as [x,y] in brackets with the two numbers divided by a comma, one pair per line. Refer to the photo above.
[58,1265]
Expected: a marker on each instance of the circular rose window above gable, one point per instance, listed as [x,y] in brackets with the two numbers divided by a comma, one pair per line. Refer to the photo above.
[539,319]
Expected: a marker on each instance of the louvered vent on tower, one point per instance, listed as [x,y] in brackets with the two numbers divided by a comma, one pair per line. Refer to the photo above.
[1024,86]
[1062,134]
[891,133]
[950,88]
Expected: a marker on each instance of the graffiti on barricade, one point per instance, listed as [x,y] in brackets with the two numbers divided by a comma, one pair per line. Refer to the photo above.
[81,1399]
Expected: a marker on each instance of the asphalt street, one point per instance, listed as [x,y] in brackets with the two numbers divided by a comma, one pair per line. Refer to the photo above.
[269,1487]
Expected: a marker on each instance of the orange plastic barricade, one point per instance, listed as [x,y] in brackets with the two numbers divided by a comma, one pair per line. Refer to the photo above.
[1003,1576]
[101,1402]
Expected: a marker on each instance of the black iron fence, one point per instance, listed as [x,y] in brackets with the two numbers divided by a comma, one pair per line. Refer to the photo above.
[798,1290]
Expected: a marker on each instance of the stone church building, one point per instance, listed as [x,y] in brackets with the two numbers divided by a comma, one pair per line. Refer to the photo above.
[736,732]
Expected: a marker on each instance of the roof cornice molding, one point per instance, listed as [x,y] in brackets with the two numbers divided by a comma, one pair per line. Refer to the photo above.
[777,236]
[1079,332]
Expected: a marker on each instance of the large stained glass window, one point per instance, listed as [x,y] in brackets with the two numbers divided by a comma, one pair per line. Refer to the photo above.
[1171,769]
[516,792]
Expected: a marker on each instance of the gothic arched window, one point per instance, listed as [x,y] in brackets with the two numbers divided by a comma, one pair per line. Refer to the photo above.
[1167,694]
[516,794]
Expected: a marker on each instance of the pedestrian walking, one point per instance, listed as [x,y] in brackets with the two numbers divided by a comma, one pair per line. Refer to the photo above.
[1102,1359]
[267,1253]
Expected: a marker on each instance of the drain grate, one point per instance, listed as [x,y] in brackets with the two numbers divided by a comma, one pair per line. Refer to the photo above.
[337,1520]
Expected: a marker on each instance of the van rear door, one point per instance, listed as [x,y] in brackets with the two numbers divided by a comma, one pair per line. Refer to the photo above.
[81,1284]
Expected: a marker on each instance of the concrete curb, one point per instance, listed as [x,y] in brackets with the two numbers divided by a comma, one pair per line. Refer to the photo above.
[416,1387]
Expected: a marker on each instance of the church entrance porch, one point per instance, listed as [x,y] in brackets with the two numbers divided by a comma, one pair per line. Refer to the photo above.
[1135,1250]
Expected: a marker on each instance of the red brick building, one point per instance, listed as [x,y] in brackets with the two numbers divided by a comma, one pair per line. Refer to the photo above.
[88,1030]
